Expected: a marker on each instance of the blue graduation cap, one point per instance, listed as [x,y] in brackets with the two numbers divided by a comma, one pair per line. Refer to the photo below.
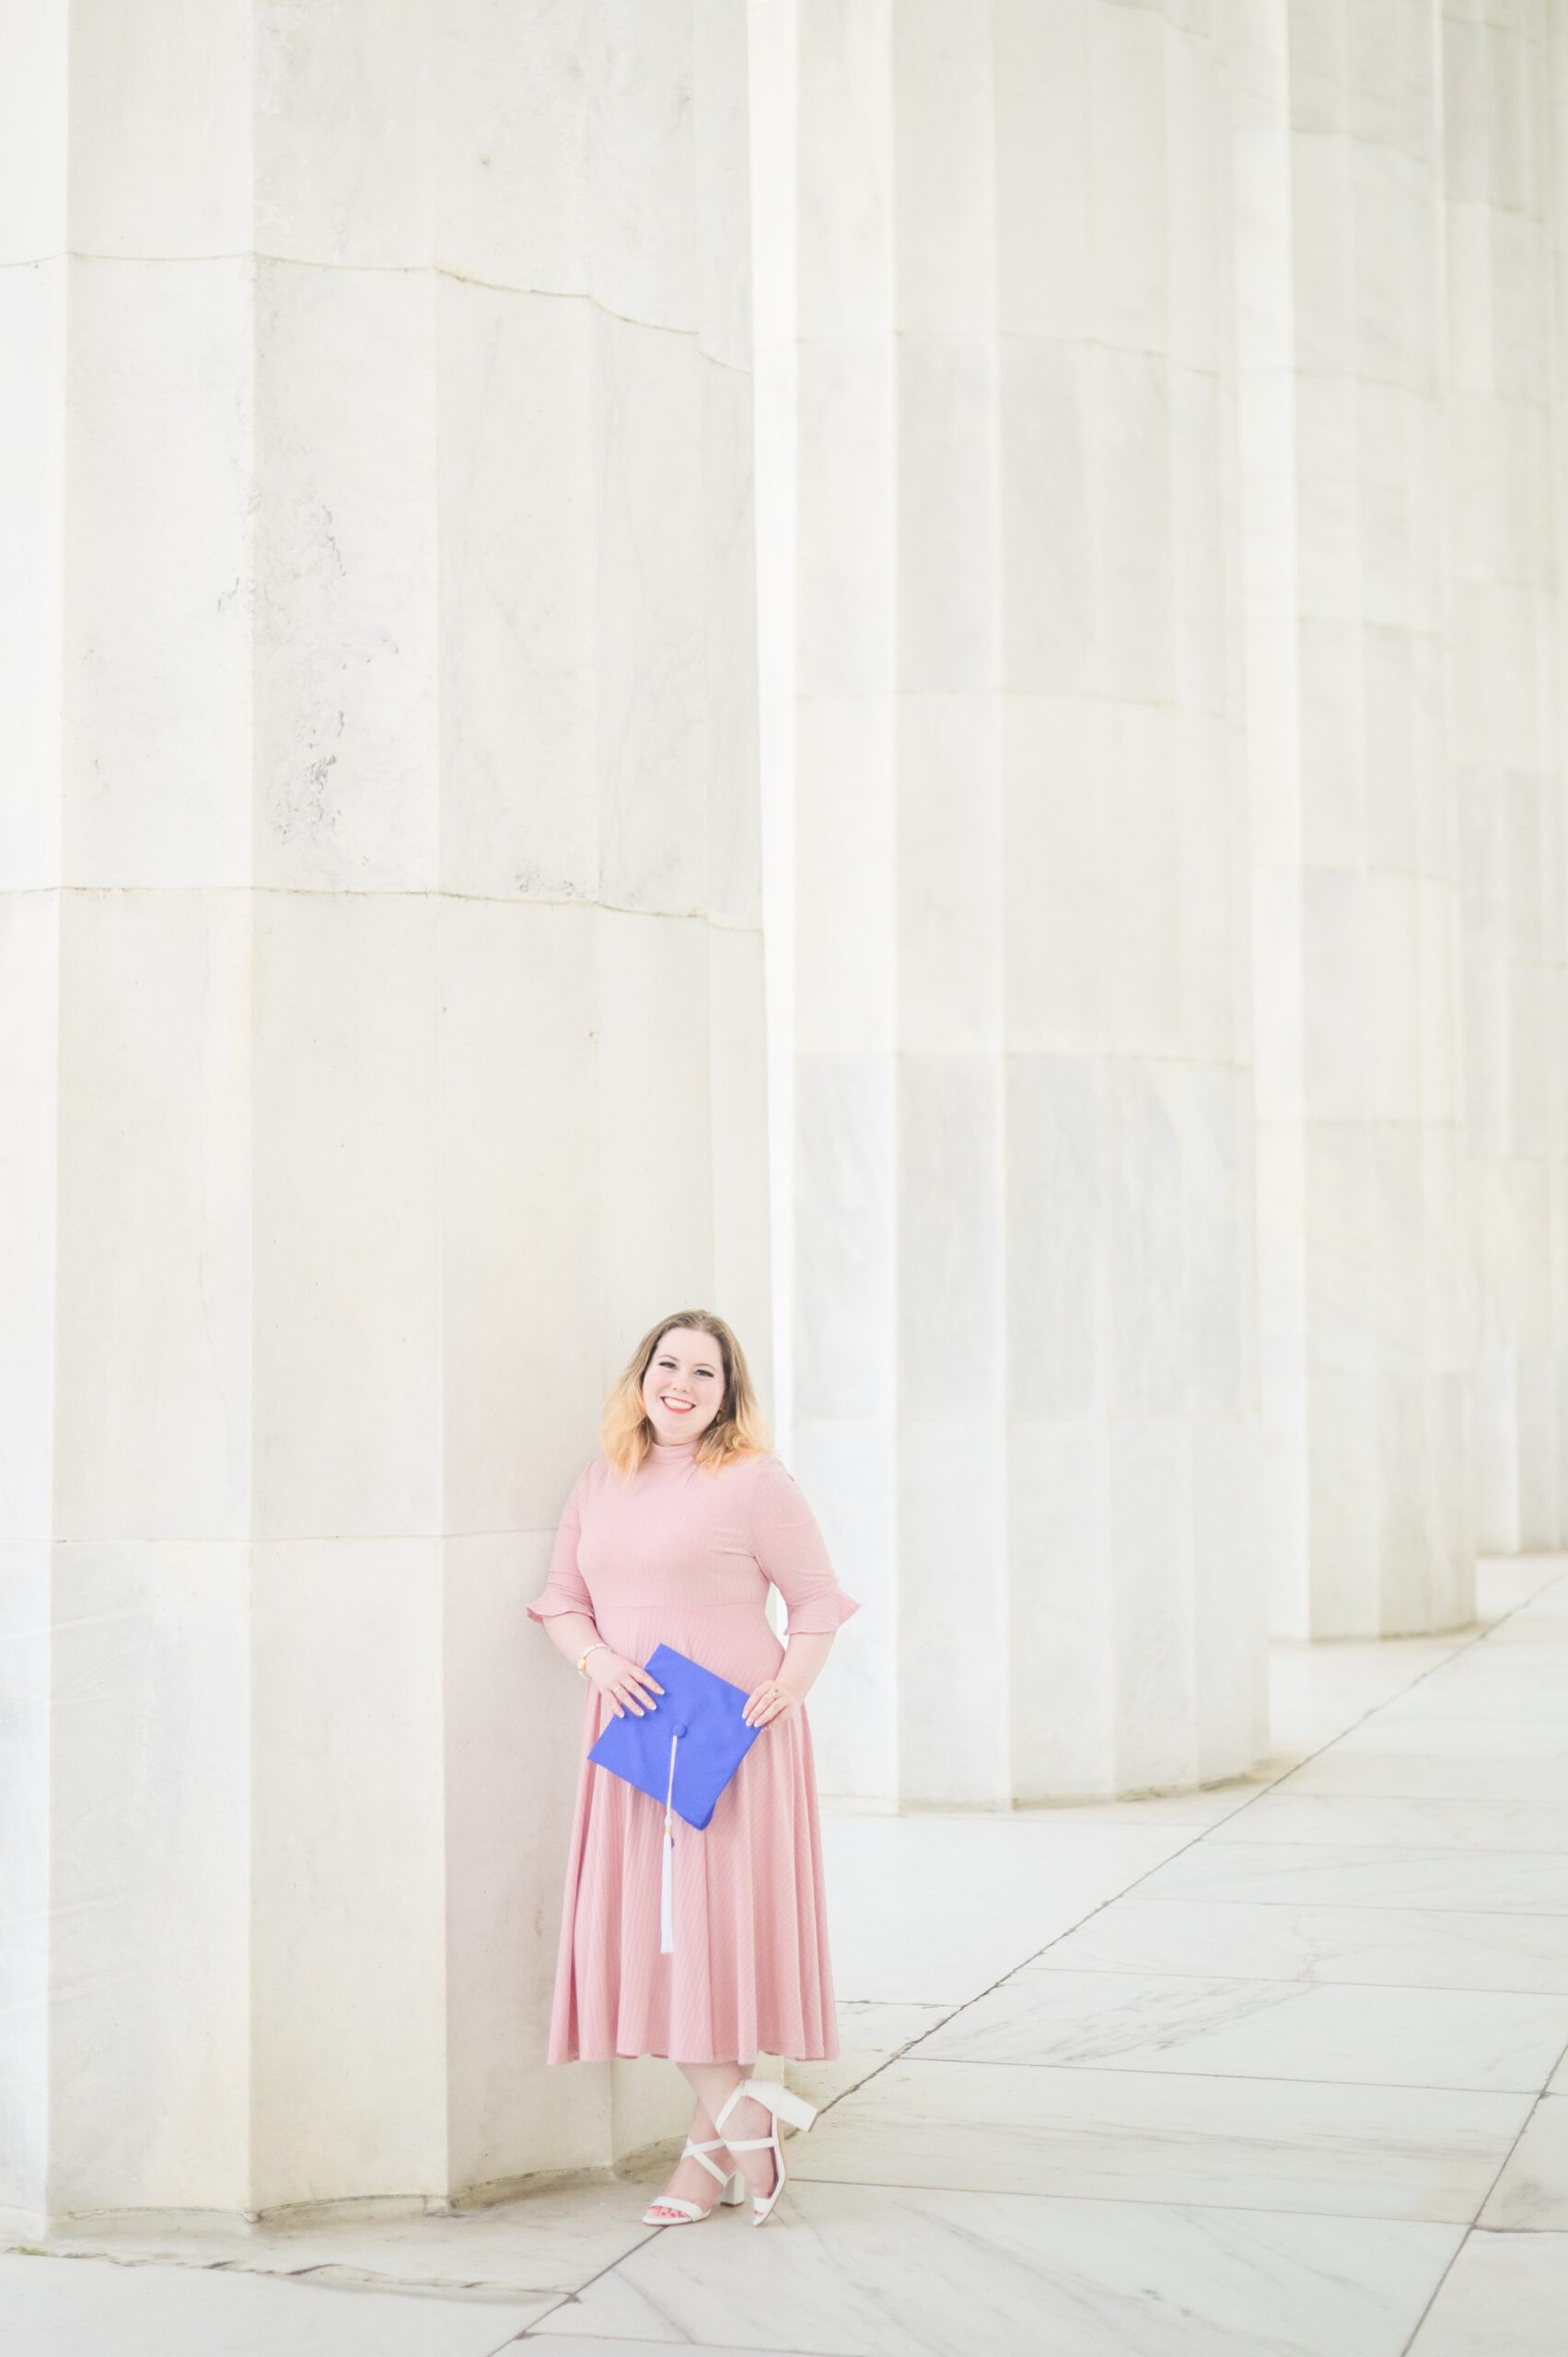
[684,1751]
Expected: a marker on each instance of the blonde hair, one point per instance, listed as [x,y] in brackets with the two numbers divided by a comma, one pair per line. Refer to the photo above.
[626,1435]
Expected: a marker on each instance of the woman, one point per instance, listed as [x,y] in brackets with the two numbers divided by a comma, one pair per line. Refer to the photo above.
[671,1537]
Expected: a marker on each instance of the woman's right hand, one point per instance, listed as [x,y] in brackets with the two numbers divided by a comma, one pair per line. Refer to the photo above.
[627,1683]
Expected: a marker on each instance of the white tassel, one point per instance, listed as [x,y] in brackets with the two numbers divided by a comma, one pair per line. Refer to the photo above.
[666,1891]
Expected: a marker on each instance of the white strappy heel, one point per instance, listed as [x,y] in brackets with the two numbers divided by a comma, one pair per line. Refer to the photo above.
[732,2193]
[784,2104]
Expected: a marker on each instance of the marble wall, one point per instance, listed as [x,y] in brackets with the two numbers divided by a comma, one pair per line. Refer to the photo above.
[380,926]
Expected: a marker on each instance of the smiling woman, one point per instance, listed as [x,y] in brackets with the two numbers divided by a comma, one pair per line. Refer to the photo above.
[678,1383]
[672,1537]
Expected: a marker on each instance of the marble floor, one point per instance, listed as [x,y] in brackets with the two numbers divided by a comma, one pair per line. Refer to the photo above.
[1274,2070]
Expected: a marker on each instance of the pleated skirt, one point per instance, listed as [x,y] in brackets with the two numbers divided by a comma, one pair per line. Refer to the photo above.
[750,1972]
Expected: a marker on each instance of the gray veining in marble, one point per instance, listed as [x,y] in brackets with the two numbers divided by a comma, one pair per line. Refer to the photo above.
[1272,2029]
[541,2342]
[1463,1759]
[1163,2136]
[1313,1874]
[1506,2295]
[541,2244]
[1405,1947]
[1009,1883]
[1401,1821]
[69,2307]
[1513,1689]
[868,2270]
[1533,2188]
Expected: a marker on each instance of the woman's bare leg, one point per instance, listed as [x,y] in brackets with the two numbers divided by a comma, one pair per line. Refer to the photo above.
[710,2083]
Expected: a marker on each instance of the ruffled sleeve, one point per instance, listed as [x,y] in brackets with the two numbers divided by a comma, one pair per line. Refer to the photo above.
[565,1588]
[790,1548]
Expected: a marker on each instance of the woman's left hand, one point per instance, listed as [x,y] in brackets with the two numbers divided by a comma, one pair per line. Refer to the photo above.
[767,1704]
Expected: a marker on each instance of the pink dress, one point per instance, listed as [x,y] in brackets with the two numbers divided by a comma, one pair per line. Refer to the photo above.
[683,1557]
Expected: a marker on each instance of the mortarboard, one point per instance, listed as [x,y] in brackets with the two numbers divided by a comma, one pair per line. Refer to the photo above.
[684,1751]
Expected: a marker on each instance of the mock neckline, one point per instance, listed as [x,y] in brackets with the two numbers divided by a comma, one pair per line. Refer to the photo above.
[673,1449]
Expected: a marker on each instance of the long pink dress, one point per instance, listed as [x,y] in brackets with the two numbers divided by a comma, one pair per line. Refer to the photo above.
[683,1557]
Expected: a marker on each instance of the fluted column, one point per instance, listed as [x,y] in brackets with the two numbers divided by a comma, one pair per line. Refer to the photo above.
[839,507]
[1363,1245]
[1023,1382]
[1506,707]
[382,933]
[1137,1602]
[1554,850]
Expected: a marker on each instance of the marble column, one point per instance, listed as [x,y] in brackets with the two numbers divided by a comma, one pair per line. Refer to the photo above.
[1555,841]
[380,932]
[1364,1247]
[1023,1379]
[1504,250]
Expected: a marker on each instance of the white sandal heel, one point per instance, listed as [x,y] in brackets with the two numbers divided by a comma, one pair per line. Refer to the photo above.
[784,2104]
[732,2190]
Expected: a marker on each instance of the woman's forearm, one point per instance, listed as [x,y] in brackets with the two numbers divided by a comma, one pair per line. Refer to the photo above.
[571,1633]
[803,1656]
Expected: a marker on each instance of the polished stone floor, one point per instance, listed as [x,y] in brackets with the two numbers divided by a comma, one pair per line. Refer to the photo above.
[1275,2070]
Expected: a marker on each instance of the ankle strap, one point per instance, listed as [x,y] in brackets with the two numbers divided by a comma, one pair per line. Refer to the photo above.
[741,2088]
[701,2152]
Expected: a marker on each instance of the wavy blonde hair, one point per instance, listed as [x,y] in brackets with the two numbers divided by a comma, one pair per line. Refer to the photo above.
[626,1435]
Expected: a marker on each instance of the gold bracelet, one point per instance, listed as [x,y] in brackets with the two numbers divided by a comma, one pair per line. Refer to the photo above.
[582,1657]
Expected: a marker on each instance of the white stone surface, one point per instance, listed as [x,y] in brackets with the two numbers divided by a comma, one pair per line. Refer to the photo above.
[1098,805]
[146,2033]
[1062,2097]
[1506,226]
[34,303]
[155,569]
[152,1233]
[1364,1258]
[1524,2276]
[1023,1376]
[380,921]
[147,2311]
